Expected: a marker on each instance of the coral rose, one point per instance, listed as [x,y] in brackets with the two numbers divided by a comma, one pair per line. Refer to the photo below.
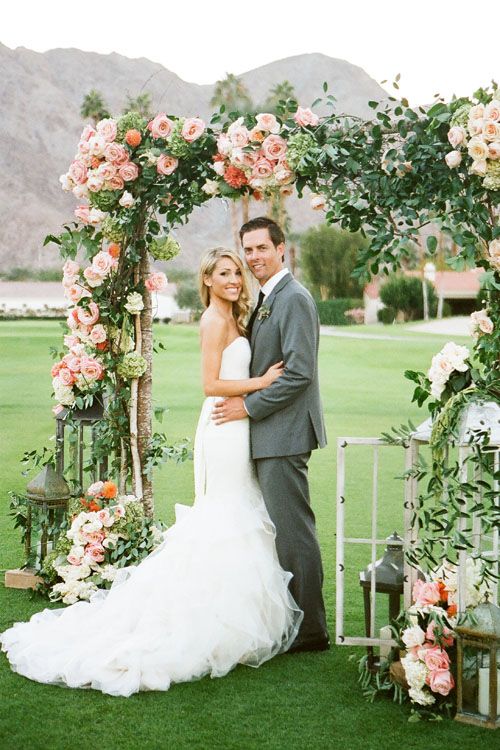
[436,658]
[426,593]
[88,316]
[109,490]
[114,250]
[78,171]
[116,153]
[234,177]
[91,369]
[192,129]
[166,164]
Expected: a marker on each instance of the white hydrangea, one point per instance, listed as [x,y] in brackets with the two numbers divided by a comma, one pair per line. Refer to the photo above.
[415,672]
[423,697]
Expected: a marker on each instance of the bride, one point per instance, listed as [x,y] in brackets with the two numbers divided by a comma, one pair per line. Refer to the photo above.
[213,594]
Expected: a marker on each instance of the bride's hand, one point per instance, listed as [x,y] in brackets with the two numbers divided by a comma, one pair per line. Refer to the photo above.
[272,374]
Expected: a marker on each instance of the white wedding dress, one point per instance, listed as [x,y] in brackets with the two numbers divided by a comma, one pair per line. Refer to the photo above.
[213,594]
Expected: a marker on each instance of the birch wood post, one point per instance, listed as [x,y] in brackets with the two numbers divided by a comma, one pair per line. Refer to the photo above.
[133,410]
[144,401]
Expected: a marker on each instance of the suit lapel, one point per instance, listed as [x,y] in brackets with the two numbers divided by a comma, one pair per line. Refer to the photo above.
[268,304]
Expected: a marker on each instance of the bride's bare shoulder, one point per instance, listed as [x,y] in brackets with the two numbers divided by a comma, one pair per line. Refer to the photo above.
[213,325]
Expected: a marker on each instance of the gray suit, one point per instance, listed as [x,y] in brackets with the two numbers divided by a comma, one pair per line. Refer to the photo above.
[286,424]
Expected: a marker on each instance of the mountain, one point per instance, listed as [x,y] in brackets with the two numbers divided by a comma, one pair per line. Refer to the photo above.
[41,95]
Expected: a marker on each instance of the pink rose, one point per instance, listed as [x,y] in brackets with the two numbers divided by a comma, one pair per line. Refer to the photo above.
[262,169]
[70,340]
[107,129]
[192,129]
[106,170]
[95,489]
[82,213]
[274,147]
[305,117]
[97,144]
[266,121]
[426,594]
[166,164]
[72,362]
[84,149]
[71,268]
[78,171]
[93,278]
[88,316]
[91,369]
[116,183]
[446,637]
[102,263]
[161,126]
[224,145]
[239,136]
[73,559]
[98,334]
[87,133]
[72,319]
[93,537]
[105,518]
[119,511]
[241,158]
[116,154]
[156,282]
[453,159]
[94,552]
[492,111]
[440,681]
[436,658]
[129,171]
[75,292]
[65,376]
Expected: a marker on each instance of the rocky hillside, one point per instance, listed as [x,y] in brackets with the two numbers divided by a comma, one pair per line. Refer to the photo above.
[41,96]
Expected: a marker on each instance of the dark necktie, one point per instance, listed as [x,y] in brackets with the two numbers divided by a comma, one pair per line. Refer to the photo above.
[254,314]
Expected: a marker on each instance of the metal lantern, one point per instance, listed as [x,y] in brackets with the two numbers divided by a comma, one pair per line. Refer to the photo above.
[73,440]
[47,497]
[386,577]
[478,669]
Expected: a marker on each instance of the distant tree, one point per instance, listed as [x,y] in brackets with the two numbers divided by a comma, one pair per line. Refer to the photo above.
[327,258]
[93,107]
[281,100]
[233,94]
[188,296]
[142,103]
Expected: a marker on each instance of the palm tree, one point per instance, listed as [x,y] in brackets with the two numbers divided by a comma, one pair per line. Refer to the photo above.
[141,103]
[279,98]
[94,107]
[233,94]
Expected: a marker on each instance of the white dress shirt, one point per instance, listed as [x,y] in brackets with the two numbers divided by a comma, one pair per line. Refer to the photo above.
[268,287]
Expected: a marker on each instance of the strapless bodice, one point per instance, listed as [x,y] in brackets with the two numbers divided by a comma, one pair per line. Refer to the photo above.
[235,363]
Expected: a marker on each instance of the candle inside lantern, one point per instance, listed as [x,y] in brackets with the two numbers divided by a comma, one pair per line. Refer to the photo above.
[484,691]
[385,635]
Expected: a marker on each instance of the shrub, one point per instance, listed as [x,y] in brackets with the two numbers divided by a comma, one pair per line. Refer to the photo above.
[405,293]
[328,256]
[387,315]
[331,311]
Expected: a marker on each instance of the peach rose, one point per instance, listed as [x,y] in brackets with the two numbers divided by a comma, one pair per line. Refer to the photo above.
[88,316]
[71,268]
[166,164]
[268,122]
[116,154]
[192,129]
[156,282]
[453,159]
[491,131]
[97,144]
[87,133]
[91,369]
[456,136]
[65,376]
[476,112]
[305,117]
[95,183]
[106,170]
[318,202]
[161,126]
[477,149]
[78,171]
[93,278]
[426,593]
[93,537]
[262,168]
[274,147]
[492,111]
[98,334]
[94,552]
[479,167]
[102,263]
[72,362]
[129,171]
[107,129]
[440,681]
[238,134]
[116,183]
[256,135]
[494,150]
[75,292]
[82,213]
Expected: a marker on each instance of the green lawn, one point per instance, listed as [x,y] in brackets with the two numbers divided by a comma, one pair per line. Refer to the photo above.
[308,700]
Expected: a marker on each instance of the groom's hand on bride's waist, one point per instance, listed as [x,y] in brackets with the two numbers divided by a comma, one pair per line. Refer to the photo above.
[229,410]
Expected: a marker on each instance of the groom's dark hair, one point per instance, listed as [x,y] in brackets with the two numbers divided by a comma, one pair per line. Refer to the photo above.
[262,222]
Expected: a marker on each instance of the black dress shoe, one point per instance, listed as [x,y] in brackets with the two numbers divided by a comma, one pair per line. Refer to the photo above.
[316,644]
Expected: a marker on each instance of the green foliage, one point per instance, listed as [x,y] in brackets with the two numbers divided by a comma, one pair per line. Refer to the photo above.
[94,107]
[231,94]
[30,274]
[405,294]
[331,311]
[328,256]
[387,315]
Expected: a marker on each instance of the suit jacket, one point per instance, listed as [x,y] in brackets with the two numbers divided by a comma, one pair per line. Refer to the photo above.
[286,418]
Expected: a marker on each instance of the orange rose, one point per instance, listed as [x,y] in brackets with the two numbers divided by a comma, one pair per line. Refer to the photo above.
[133,137]
[109,490]
[452,610]
[114,250]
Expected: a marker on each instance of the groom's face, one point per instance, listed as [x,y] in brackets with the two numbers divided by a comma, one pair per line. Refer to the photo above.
[263,258]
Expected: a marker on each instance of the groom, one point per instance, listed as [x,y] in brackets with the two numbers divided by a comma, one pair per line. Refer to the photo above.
[286,420]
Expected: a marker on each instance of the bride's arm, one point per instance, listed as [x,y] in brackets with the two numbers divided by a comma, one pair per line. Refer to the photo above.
[213,342]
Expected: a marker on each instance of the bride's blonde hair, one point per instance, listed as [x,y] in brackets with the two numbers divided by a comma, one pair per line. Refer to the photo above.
[208,262]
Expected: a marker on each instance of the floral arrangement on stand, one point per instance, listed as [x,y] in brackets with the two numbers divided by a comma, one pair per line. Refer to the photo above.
[106,533]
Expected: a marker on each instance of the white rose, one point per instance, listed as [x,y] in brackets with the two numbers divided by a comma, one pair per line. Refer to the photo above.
[80,191]
[96,216]
[64,395]
[491,130]
[97,144]
[211,187]
[492,111]
[476,112]
[318,202]
[134,303]
[477,149]
[127,200]
[414,636]
[479,167]
[456,135]
[453,159]
[67,183]
[219,168]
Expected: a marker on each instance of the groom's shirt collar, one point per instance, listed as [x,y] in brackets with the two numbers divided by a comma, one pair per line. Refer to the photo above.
[268,287]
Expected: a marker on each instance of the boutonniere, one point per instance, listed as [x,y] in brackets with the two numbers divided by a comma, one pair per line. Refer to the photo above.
[264,312]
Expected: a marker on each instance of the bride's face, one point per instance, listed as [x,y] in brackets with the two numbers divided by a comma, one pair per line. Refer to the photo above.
[225,280]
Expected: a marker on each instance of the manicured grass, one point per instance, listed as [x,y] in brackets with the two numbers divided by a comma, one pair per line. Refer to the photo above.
[309,700]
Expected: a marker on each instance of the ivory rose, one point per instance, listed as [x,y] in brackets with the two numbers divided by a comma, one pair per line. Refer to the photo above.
[494,150]
[80,191]
[192,129]
[106,170]
[492,110]
[166,164]
[129,171]
[107,129]
[456,136]
[97,144]
[127,200]
[440,681]
[305,117]
[156,281]
[161,126]
[224,145]
[95,489]
[93,278]
[274,147]
[477,149]
[238,134]
[268,122]
[453,159]
[71,268]
[491,131]
[318,202]
[412,637]
[88,316]
[480,320]
[479,167]
[95,183]
[102,263]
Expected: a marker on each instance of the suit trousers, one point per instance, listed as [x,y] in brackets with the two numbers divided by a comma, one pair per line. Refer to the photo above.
[284,485]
